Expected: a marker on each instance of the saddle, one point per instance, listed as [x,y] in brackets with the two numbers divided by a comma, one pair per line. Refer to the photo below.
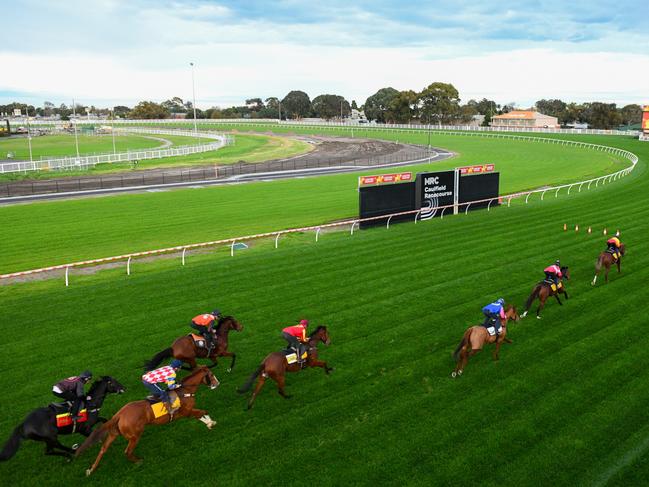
[552,285]
[160,409]
[64,419]
[291,355]
[614,253]
[200,341]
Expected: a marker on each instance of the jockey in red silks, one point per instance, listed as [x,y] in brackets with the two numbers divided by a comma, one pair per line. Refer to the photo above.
[296,337]
[553,272]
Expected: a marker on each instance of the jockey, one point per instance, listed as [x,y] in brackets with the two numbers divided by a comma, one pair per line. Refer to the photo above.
[614,244]
[553,272]
[167,374]
[296,337]
[71,389]
[494,314]
[205,326]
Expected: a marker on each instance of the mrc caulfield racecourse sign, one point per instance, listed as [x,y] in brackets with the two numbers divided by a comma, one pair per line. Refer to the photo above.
[435,190]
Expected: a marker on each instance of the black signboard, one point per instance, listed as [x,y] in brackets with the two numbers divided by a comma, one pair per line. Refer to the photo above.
[479,187]
[384,200]
[434,189]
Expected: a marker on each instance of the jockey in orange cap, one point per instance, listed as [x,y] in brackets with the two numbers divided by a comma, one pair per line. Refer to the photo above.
[614,245]
[296,337]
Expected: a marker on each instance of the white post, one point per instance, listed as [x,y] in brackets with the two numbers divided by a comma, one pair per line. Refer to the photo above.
[416,215]
[466,212]
[491,201]
[232,249]
[194,98]
[388,224]
[113,130]
[527,197]
[317,233]
[66,276]
[76,136]
[353,224]
[556,194]
[128,267]
[543,194]
[456,192]
[276,239]
[183,257]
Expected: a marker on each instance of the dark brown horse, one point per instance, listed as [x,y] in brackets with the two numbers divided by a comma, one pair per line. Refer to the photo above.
[185,348]
[606,260]
[476,337]
[543,291]
[275,366]
[134,416]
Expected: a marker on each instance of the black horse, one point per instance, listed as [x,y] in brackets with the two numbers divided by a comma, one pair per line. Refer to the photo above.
[40,424]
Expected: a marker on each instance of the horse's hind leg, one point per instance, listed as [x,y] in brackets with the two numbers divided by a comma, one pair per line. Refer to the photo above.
[558,300]
[132,443]
[281,386]
[107,442]
[260,384]
[52,444]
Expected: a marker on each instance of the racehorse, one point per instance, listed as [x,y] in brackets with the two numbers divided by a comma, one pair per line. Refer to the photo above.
[275,366]
[185,348]
[606,260]
[543,291]
[40,424]
[475,338]
[134,416]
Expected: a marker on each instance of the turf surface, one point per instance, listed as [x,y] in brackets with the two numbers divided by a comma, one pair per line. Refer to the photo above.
[138,222]
[566,404]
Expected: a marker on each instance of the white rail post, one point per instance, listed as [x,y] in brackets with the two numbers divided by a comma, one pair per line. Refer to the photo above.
[417,216]
[569,188]
[489,205]
[509,202]
[276,239]
[556,194]
[388,224]
[441,215]
[353,225]
[589,183]
[580,187]
[232,249]
[128,266]
[317,234]
[66,276]
[543,194]
[466,212]
[527,197]
[183,256]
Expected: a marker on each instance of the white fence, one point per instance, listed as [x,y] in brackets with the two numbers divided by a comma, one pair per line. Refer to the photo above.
[83,162]
[346,124]
[607,178]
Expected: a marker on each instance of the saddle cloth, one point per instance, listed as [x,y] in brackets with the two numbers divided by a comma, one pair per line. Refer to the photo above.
[613,253]
[291,355]
[491,330]
[159,409]
[65,419]
[198,340]
[552,285]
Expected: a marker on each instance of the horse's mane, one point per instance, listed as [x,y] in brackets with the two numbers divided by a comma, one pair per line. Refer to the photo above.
[95,385]
[198,370]
[314,332]
[222,320]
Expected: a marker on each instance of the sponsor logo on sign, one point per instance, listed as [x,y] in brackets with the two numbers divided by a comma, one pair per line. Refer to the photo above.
[401,177]
[477,169]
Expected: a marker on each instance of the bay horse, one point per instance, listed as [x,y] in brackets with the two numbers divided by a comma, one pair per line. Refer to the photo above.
[185,349]
[475,337]
[543,291]
[40,424]
[275,366]
[130,421]
[606,260]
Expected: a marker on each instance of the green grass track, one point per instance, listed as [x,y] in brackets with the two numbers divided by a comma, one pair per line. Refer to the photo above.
[101,227]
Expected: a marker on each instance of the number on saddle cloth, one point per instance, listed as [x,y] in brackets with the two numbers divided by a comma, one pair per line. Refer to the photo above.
[291,355]
[159,408]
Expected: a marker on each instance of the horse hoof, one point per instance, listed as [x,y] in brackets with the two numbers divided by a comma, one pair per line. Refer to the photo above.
[459,372]
[88,472]
[454,374]
[229,369]
[538,317]
[75,446]
[524,314]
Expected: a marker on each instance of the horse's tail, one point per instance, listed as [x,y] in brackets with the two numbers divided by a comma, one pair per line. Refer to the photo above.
[157,358]
[13,443]
[99,434]
[465,339]
[530,300]
[246,387]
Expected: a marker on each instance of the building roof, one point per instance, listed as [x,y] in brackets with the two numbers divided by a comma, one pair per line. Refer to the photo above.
[520,114]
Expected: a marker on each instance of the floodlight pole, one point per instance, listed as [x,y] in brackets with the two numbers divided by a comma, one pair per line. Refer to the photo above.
[76,137]
[279,104]
[29,135]
[194,98]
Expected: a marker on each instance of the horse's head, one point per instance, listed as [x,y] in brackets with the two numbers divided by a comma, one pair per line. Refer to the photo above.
[230,323]
[106,384]
[210,379]
[565,272]
[201,375]
[321,334]
[511,313]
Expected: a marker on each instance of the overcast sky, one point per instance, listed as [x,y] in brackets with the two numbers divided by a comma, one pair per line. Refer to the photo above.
[115,52]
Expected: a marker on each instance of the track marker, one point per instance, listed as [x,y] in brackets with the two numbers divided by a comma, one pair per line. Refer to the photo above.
[576,228]
[565,227]
[605,231]
[617,234]
[589,230]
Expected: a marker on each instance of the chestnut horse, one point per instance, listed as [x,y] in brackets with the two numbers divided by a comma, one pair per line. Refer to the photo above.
[475,338]
[185,349]
[134,416]
[606,260]
[275,366]
[543,291]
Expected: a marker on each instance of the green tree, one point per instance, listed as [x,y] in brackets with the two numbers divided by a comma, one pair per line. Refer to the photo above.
[376,106]
[354,105]
[440,103]
[403,107]
[121,111]
[466,113]
[554,108]
[148,110]
[631,114]
[601,115]
[330,106]
[296,104]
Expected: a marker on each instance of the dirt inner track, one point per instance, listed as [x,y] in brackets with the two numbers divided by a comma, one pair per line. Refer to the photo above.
[327,151]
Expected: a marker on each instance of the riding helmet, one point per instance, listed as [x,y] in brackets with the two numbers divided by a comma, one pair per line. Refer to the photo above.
[216,313]
[176,364]
[500,301]
[305,323]
[557,262]
[86,374]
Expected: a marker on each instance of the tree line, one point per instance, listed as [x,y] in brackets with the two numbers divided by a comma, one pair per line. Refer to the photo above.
[438,103]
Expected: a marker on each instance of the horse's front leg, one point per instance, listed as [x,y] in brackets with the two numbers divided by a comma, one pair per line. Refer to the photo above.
[203,417]
[229,354]
[497,349]
[558,300]
[317,363]
[619,261]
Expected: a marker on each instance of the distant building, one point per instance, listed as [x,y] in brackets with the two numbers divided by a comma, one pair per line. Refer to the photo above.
[357,115]
[577,125]
[178,115]
[524,119]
